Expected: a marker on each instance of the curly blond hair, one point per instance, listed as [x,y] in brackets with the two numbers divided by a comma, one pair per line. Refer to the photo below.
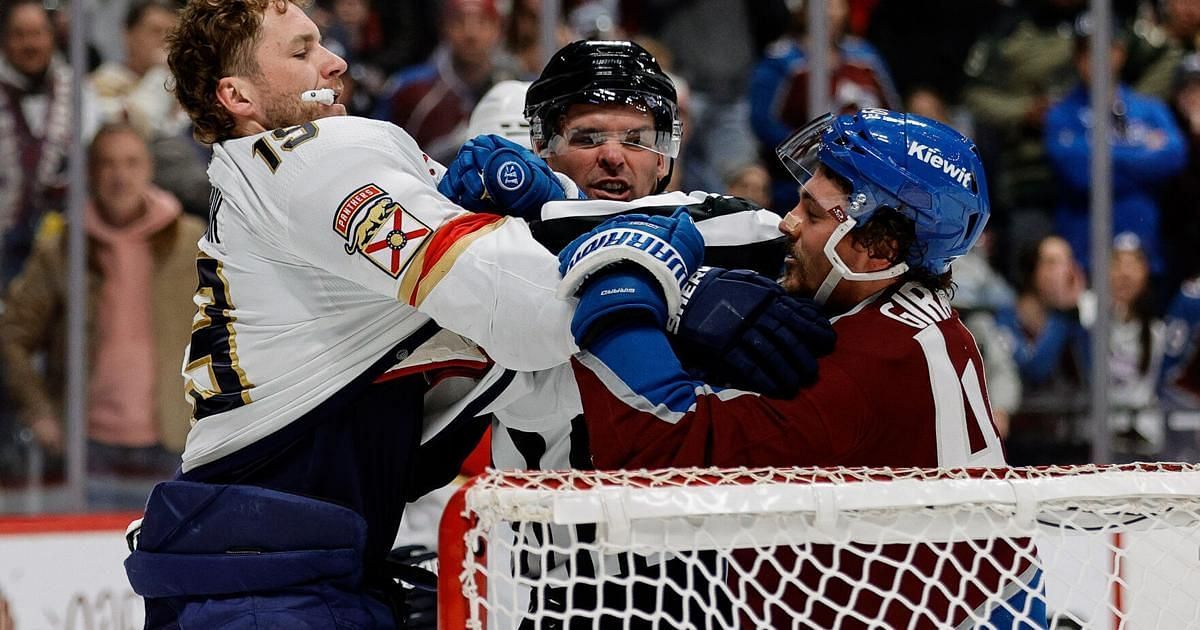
[215,39]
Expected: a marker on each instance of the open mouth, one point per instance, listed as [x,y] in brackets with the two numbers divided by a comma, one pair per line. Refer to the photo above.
[610,189]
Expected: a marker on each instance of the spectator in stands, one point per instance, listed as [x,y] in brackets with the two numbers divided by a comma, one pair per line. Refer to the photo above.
[1179,231]
[779,88]
[135,90]
[1020,67]
[1015,73]
[35,132]
[433,101]
[1179,378]
[1151,53]
[1147,150]
[1135,354]
[522,37]
[140,269]
[1050,346]
[181,168]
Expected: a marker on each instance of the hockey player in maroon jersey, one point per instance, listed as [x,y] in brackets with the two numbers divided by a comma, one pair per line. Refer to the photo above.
[888,200]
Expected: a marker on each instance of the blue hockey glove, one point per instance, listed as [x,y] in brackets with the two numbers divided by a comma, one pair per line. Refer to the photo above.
[621,293]
[520,182]
[741,329]
[462,182]
[664,250]
[494,174]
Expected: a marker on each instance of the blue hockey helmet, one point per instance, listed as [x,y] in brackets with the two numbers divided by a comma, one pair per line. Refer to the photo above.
[924,169]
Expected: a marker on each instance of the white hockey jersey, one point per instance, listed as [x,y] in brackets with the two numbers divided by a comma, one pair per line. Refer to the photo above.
[328,244]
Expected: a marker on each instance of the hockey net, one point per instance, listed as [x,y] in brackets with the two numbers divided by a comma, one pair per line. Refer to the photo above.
[1066,547]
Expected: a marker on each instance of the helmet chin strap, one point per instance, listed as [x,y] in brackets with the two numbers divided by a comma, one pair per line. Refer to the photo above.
[666,179]
[840,270]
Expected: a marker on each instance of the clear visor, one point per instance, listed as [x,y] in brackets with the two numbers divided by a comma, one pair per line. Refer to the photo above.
[641,139]
[662,132]
[799,153]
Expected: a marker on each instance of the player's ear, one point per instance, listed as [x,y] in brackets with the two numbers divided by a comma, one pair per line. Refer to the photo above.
[236,95]
[877,256]
[663,166]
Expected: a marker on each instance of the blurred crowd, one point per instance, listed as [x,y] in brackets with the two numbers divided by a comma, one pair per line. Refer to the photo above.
[1013,74]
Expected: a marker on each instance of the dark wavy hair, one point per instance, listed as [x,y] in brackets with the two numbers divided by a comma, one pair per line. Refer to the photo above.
[215,39]
[892,236]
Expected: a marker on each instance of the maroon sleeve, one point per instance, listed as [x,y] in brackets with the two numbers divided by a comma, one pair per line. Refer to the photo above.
[724,428]
[874,405]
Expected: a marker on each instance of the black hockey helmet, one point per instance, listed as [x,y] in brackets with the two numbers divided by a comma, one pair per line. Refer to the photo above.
[601,72]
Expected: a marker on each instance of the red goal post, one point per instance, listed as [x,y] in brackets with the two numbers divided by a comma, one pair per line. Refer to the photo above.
[1116,546]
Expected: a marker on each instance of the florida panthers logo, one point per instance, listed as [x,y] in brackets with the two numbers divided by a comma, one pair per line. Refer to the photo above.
[510,175]
[387,248]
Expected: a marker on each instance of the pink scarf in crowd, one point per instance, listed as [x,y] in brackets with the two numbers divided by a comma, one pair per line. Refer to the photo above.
[121,403]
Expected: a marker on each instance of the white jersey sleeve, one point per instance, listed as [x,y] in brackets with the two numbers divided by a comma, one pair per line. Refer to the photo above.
[327,246]
[381,222]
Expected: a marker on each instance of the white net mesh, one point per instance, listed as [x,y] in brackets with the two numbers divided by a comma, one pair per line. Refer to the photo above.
[1092,546]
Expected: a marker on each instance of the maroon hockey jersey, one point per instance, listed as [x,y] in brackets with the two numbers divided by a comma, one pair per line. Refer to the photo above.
[903,388]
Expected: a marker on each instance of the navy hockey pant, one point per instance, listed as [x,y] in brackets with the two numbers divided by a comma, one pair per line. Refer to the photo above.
[235,556]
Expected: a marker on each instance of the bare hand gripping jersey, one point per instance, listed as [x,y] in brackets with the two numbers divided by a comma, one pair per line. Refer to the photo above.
[328,244]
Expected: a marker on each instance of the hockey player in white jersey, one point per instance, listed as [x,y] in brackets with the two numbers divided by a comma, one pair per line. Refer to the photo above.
[329,258]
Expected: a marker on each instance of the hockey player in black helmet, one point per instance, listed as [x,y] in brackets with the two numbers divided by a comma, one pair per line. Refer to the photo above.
[620,84]
[603,125]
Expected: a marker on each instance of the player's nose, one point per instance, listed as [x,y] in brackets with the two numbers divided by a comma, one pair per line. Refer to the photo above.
[790,224]
[334,66]
[611,154]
